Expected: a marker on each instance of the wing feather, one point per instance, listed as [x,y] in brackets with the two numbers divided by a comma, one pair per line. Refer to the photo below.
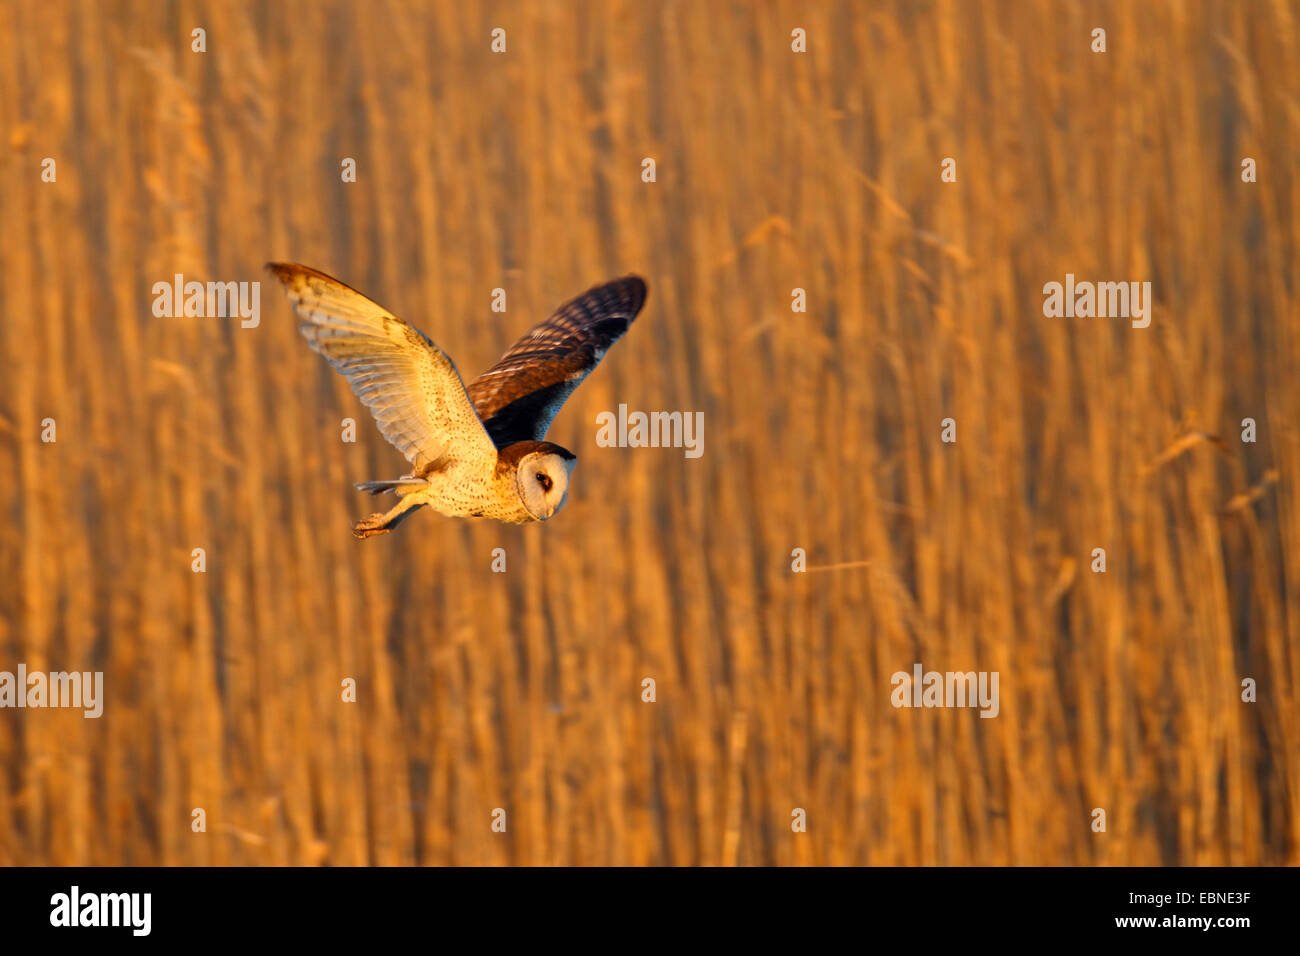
[411,387]
[519,396]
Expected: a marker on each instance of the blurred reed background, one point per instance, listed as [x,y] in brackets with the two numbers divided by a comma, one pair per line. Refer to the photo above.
[775,171]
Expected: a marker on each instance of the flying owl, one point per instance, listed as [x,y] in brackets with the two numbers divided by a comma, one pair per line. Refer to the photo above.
[476,451]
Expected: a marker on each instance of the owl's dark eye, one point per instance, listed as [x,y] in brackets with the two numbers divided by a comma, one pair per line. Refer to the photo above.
[544,480]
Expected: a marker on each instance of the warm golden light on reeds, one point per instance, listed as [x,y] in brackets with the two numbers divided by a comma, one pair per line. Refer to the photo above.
[775,171]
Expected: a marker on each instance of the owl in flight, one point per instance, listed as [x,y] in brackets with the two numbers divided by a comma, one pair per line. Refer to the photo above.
[476,451]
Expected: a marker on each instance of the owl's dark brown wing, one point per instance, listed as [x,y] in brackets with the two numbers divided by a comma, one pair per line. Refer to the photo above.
[519,396]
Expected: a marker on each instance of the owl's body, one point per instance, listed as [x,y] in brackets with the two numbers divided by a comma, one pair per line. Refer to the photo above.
[485,488]
[476,452]
[464,491]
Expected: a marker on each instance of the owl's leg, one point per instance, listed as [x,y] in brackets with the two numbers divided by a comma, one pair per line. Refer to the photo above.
[383,522]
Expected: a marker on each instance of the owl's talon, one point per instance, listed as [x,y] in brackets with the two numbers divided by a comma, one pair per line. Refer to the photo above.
[377,523]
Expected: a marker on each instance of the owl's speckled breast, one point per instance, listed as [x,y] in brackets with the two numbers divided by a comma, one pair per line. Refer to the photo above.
[471,492]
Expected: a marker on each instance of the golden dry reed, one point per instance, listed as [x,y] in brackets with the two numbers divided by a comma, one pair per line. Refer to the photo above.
[775,171]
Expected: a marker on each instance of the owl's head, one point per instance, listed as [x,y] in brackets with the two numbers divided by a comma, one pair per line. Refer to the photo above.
[542,478]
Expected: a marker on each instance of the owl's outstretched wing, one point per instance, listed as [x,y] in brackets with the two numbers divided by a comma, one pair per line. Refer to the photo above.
[409,384]
[518,398]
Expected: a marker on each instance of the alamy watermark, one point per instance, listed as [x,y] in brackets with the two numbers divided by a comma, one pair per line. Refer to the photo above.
[83,689]
[212,300]
[1103,300]
[75,908]
[652,430]
[923,688]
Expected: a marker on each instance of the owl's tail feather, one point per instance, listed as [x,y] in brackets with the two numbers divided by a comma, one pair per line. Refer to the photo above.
[399,486]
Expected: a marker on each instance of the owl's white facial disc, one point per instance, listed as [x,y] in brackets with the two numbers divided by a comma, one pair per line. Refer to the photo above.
[543,482]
